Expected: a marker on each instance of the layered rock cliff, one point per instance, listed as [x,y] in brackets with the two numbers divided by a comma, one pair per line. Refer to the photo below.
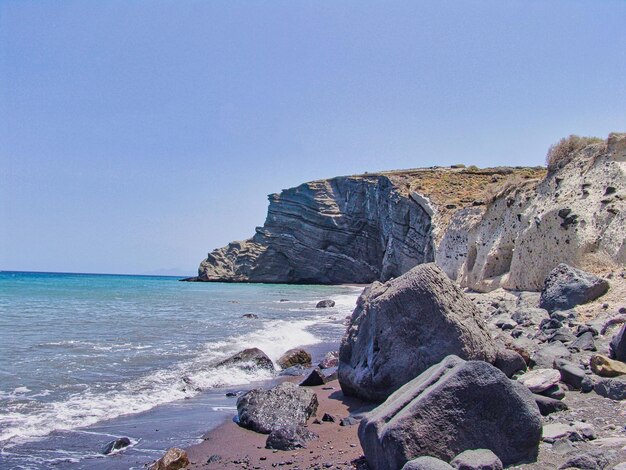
[487,228]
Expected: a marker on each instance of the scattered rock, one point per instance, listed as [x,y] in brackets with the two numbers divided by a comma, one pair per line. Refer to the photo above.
[565,287]
[426,463]
[293,371]
[584,342]
[530,316]
[594,460]
[174,459]
[328,418]
[509,362]
[548,405]
[284,405]
[294,357]
[571,374]
[114,445]
[479,459]
[615,389]
[250,315]
[617,349]
[605,367]
[315,378]
[331,359]
[289,438]
[555,431]
[348,421]
[406,325]
[453,406]
[544,357]
[557,392]
[248,359]
[539,380]
[325,303]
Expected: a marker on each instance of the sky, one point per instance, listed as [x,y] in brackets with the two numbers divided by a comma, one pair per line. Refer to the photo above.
[136,136]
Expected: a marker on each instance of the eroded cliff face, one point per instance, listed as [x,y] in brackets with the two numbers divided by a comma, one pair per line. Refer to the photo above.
[487,228]
[574,215]
[346,229]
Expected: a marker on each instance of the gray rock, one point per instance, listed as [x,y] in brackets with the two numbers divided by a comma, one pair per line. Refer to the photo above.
[557,392]
[530,316]
[289,438]
[404,326]
[549,405]
[114,445]
[615,389]
[453,406]
[331,359]
[617,348]
[505,323]
[509,362]
[426,463]
[315,378]
[345,229]
[248,359]
[584,342]
[325,304]
[479,459]
[293,371]
[539,380]
[284,405]
[571,374]
[545,356]
[565,287]
[294,357]
[592,460]
[563,335]
[555,431]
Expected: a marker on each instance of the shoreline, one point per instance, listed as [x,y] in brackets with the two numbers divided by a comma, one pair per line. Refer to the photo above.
[337,447]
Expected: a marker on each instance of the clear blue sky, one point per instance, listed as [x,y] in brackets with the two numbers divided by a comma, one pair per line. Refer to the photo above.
[137,135]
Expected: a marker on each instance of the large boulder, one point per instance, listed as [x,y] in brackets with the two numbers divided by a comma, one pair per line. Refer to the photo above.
[454,406]
[282,406]
[401,328]
[293,357]
[248,359]
[565,287]
[618,345]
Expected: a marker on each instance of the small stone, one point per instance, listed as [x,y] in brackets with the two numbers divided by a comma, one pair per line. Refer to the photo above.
[479,459]
[325,304]
[548,405]
[539,380]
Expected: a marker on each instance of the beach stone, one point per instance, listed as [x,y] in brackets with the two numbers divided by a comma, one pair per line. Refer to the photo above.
[250,316]
[289,438]
[591,460]
[563,335]
[284,405]
[545,356]
[174,459]
[325,304]
[584,342]
[605,367]
[114,445]
[248,359]
[331,359]
[509,362]
[293,371]
[529,316]
[401,328]
[453,406]
[294,357]
[538,380]
[555,431]
[565,287]
[426,463]
[617,348]
[548,405]
[571,374]
[615,389]
[316,377]
[557,391]
[478,459]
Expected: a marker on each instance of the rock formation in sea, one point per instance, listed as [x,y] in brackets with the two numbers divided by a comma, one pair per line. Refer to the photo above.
[486,228]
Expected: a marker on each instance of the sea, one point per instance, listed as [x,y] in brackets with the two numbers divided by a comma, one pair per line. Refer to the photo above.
[88,358]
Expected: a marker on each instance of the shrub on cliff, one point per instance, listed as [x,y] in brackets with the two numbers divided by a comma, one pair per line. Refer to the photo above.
[561,153]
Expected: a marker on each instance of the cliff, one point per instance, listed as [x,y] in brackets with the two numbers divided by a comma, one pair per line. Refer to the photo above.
[487,228]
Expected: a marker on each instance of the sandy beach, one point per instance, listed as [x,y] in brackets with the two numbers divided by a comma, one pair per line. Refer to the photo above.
[231,446]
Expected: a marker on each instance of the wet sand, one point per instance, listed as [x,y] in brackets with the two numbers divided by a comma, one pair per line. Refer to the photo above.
[231,446]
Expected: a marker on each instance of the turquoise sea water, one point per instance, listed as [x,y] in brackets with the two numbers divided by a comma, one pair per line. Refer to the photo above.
[86,358]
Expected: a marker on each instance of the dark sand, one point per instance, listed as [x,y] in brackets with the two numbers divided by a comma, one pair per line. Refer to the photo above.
[231,446]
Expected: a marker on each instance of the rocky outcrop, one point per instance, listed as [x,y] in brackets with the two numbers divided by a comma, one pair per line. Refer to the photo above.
[401,328]
[346,229]
[575,215]
[452,407]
